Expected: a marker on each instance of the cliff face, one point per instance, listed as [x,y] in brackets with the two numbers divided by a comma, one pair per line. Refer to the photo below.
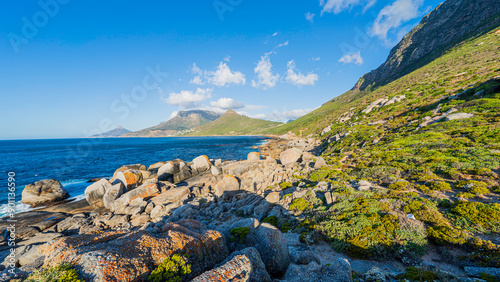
[450,23]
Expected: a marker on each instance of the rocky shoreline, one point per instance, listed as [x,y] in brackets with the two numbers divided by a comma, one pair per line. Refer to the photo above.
[220,215]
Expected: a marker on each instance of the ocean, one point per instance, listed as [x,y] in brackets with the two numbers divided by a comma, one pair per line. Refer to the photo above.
[75,161]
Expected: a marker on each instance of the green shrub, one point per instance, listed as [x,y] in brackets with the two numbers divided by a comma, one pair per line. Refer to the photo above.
[273,220]
[477,217]
[61,273]
[286,227]
[495,189]
[439,186]
[172,269]
[399,186]
[443,235]
[413,206]
[239,233]
[465,195]
[285,185]
[488,277]
[417,274]
[299,204]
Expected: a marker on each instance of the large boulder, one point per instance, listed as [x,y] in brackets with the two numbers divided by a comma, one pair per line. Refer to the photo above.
[129,178]
[339,271]
[154,167]
[94,193]
[290,156]
[320,162]
[126,255]
[253,156]
[112,194]
[148,190]
[227,184]
[245,265]
[43,192]
[128,167]
[272,247]
[201,164]
[168,170]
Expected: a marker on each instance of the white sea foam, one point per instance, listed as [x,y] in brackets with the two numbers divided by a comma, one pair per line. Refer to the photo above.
[20,207]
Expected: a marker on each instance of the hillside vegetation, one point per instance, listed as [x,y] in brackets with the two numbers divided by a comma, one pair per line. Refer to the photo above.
[428,145]
[231,123]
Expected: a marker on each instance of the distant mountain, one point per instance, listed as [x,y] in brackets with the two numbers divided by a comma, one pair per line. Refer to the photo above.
[232,123]
[183,121]
[113,133]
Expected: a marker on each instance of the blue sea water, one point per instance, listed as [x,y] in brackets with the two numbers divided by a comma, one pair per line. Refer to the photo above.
[75,161]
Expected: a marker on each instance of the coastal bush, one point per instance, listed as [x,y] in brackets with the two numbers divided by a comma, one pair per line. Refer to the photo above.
[61,273]
[439,186]
[172,269]
[417,274]
[488,277]
[476,216]
[444,235]
[239,233]
[399,186]
[299,204]
[273,220]
[465,195]
[285,185]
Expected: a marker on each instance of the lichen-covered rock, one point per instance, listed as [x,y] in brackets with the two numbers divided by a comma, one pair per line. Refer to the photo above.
[147,190]
[154,167]
[290,156]
[132,255]
[338,271]
[201,164]
[168,170]
[244,265]
[227,184]
[272,247]
[128,167]
[112,194]
[253,156]
[43,192]
[130,179]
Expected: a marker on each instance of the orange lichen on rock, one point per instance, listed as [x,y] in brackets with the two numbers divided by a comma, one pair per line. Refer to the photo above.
[124,255]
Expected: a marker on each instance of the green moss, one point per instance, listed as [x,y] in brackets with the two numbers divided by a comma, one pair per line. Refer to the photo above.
[285,185]
[273,220]
[299,204]
[417,274]
[172,269]
[239,233]
[61,273]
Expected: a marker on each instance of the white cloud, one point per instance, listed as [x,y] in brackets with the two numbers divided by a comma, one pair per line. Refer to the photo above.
[222,76]
[394,15]
[274,34]
[310,17]
[283,44]
[188,99]
[227,59]
[337,6]
[283,116]
[173,114]
[315,59]
[197,80]
[227,103]
[265,78]
[352,57]
[297,78]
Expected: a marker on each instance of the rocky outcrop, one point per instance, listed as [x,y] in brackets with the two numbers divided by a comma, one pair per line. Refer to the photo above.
[290,156]
[44,192]
[339,271]
[94,193]
[450,23]
[244,265]
[132,255]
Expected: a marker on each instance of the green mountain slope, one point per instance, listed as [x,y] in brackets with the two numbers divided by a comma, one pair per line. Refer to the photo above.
[231,123]
[184,120]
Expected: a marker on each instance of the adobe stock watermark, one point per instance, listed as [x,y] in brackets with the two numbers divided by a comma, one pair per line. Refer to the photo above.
[11,221]
[31,26]
[121,109]
[223,6]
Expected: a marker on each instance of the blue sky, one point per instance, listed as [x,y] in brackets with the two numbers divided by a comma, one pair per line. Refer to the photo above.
[73,68]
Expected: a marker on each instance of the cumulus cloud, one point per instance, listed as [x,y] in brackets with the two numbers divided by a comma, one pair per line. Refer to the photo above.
[337,6]
[283,116]
[274,34]
[310,17]
[352,57]
[188,99]
[394,15]
[227,59]
[297,78]
[222,76]
[227,103]
[265,78]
